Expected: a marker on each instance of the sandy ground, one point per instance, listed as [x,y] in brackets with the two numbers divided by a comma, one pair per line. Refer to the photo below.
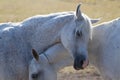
[90,73]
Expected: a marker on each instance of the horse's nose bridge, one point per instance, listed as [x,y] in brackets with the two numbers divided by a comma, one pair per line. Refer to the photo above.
[82,51]
[81,55]
[81,47]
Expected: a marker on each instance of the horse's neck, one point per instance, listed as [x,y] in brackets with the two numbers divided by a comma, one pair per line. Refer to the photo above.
[99,37]
[30,25]
[67,61]
[93,47]
[43,32]
[59,56]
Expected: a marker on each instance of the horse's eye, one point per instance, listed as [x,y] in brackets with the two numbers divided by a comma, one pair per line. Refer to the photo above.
[34,76]
[79,33]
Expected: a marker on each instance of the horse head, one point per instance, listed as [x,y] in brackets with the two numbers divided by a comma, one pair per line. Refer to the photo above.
[75,37]
[40,68]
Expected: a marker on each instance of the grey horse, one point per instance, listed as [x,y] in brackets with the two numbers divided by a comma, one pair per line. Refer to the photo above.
[45,66]
[72,29]
[104,49]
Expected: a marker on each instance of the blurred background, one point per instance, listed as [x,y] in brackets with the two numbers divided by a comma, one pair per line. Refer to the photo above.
[18,10]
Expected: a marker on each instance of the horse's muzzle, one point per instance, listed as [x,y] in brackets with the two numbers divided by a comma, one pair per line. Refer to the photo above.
[80,62]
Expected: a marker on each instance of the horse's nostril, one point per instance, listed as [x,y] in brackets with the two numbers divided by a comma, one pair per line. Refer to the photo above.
[81,62]
[34,76]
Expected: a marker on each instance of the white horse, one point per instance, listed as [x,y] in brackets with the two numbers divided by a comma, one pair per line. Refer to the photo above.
[45,66]
[104,54]
[72,29]
[104,49]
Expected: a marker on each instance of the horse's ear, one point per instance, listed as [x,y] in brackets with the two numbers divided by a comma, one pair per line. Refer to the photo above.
[35,54]
[78,12]
[94,20]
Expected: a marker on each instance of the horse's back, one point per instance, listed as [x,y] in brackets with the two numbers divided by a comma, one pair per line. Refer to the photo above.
[111,50]
[13,63]
[108,36]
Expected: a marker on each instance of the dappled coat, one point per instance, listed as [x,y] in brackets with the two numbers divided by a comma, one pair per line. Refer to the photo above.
[40,32]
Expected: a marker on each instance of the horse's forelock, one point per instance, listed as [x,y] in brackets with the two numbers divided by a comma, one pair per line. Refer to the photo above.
[87,28]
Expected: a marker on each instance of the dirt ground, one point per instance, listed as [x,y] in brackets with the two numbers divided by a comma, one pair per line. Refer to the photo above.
[90,73]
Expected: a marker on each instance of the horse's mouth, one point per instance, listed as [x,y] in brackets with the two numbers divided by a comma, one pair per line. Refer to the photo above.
[85,63]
